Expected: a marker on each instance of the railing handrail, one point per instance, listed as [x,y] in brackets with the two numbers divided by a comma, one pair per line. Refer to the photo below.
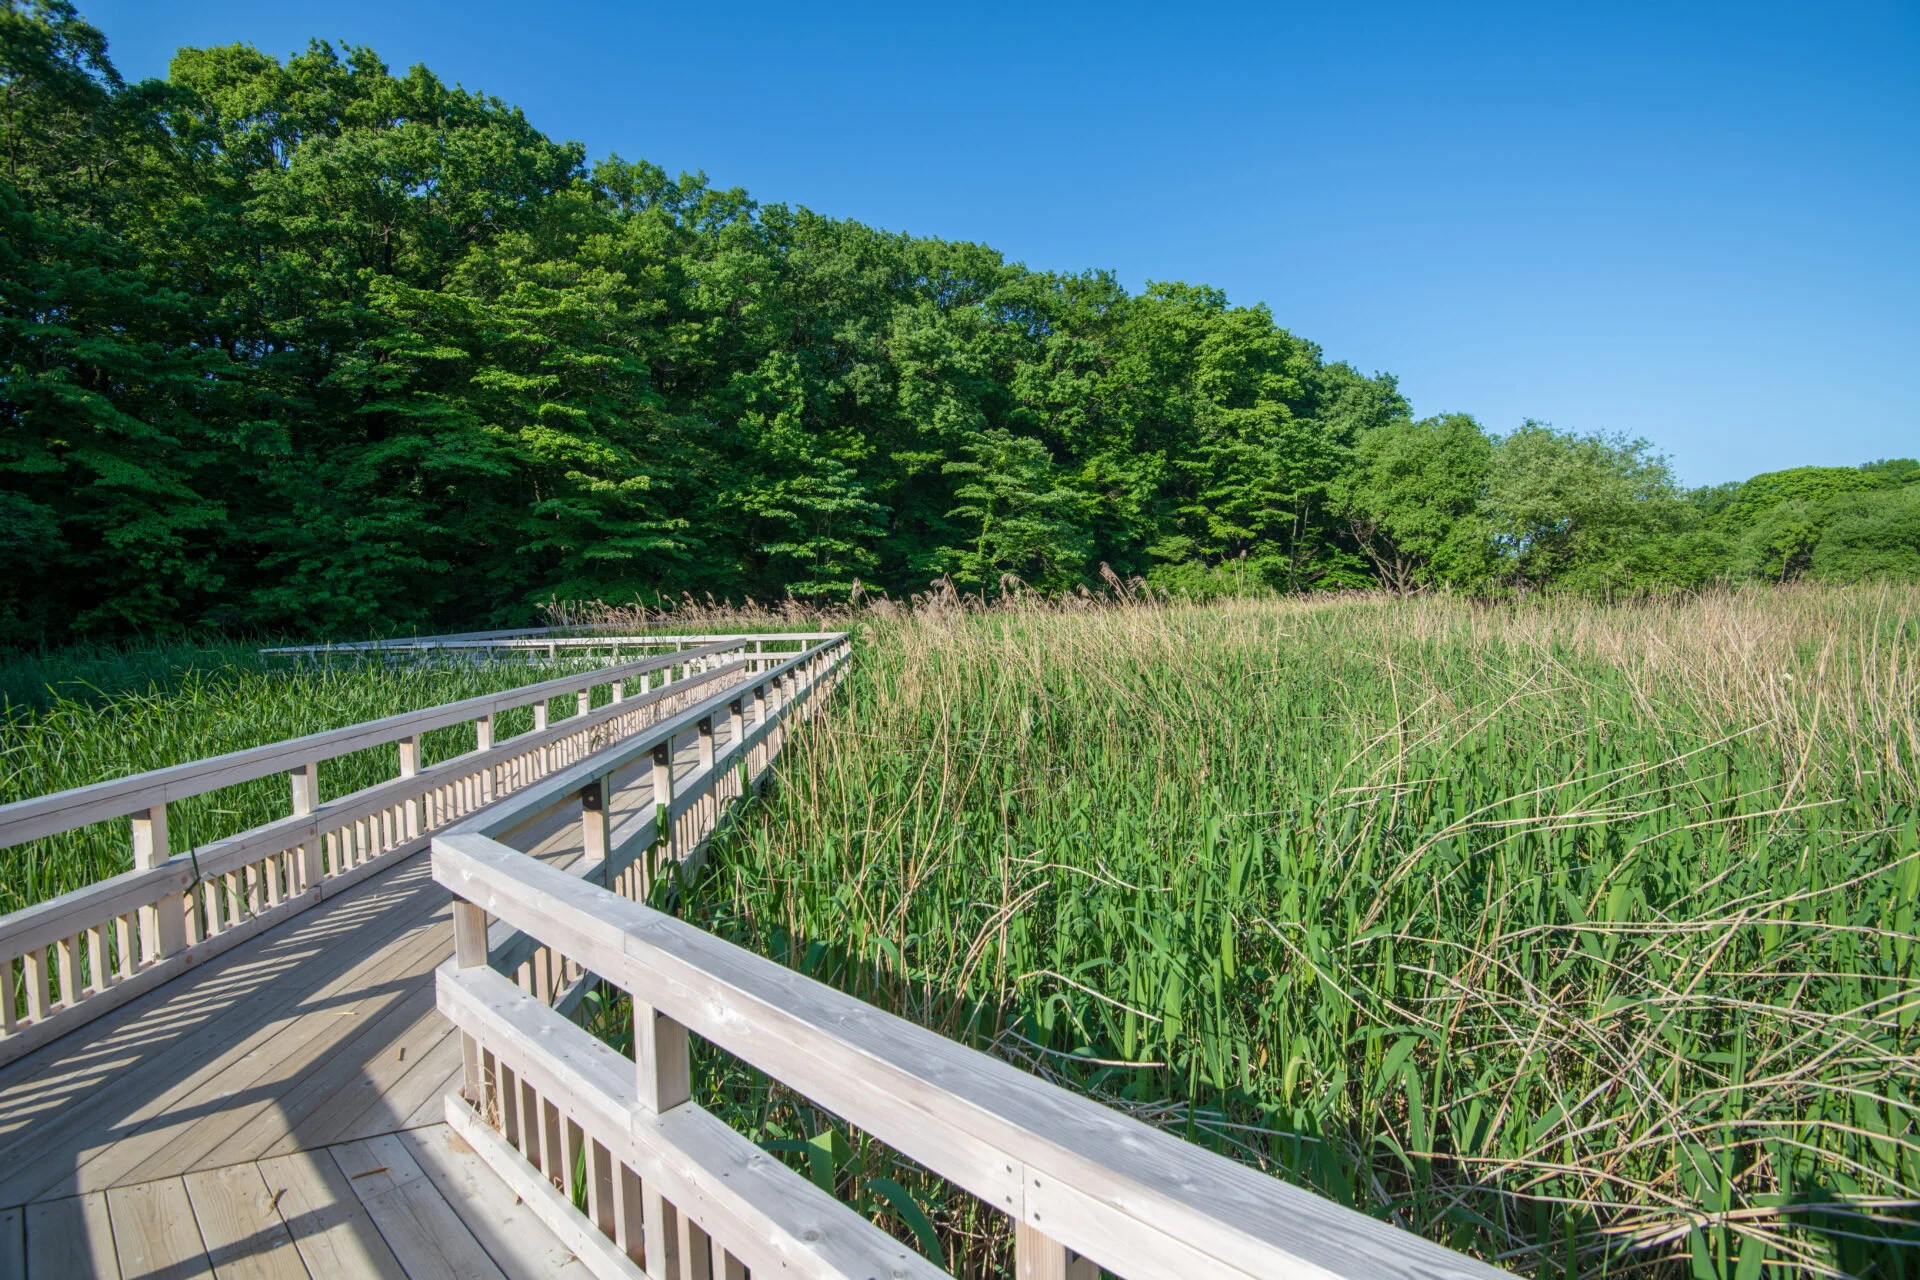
[535,801]
[1127,1195]
[58,811]
[45,922]
[538,638]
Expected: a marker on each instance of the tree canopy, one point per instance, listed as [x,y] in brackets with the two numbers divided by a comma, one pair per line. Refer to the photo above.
[311,346]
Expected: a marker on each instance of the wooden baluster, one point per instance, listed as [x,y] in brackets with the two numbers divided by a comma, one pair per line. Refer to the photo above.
[163,926]
[583,702]
[66,953]
[483,741]
[100,956]
[8,1019]
[619,691]
[539,723]
[696,1251]
[629,1214]
[34,964]
[409,766]
[737,732]
[600,1179]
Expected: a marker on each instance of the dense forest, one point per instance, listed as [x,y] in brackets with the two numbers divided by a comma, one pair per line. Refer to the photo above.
[309,347]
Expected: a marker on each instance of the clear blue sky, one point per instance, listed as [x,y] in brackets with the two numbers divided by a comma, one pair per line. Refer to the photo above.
[1697,223]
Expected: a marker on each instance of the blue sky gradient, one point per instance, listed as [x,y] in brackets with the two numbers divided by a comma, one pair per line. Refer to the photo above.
[1695,223]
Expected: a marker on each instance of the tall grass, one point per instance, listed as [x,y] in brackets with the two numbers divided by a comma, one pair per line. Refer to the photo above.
[108,713]
[1579,937]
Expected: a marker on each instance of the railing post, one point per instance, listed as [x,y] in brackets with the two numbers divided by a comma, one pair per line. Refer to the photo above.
[410,765]
[662,805]
[163,926]
[594,822]
[663,1065]
[619,691]
[483,741]
[583,702]
[736,724]
[1039,1257]
[759,705]
[470,952]
[709,811]
[305,780]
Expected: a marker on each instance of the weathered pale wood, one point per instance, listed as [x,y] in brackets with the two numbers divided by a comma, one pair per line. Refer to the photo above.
[758,1209]
[426,1235]
[244,1236]
[508,1226]
[1095,1180]
[24,820]
[223,1045]
[154,1231]
[70,1237]
[229,923]
[599,1255]
[329,1225]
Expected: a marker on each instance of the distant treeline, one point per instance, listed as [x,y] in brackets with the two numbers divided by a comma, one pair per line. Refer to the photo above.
[312,348]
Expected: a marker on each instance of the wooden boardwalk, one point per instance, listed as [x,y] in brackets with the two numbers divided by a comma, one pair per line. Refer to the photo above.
[277,1111]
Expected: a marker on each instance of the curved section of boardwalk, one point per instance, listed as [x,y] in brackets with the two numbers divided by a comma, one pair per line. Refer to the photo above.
[278,1111]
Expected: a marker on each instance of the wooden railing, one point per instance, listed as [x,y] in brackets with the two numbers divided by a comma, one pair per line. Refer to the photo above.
[72,958]
[551,643]
[668,1187]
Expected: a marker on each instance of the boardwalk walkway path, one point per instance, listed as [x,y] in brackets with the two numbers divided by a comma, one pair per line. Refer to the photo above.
[278,1111]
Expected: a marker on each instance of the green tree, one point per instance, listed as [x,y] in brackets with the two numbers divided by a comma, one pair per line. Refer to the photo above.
[1588,510]
[1409,496]
[1026,517]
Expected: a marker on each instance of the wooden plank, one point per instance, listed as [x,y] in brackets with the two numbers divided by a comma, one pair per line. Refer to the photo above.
[348,1097]
[329,1225]
[1099,1182]
[13,1246]
[154,1232]
[325,1087]
[426,1235]
[71,1237]
[506,1217]
[194,1045]
[269,1089]
[414,1101]
[241,1227]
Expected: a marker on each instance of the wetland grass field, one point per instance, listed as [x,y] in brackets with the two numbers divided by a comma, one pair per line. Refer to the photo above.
[1577,936]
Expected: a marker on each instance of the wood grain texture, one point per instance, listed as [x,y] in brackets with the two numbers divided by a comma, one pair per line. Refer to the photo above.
[154,1232]
[71,1237]
[772,1219]
[426,1235]
[241,1227]
[329,1225]
[1129,1196]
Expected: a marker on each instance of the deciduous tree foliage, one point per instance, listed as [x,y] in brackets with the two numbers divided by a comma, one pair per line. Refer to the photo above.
[312,346]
